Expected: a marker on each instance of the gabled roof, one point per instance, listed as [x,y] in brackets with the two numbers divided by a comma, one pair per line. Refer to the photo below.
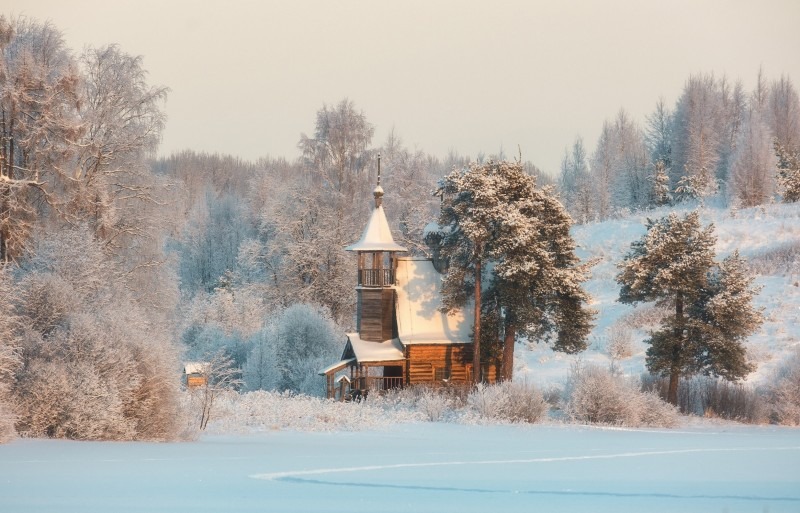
[377,236]
[372,352]
[336,367]
[419,299]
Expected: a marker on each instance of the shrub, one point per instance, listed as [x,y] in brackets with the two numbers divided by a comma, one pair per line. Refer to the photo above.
[434,405]
[620,343]
[784,395]
[7,419]
[597,396]
[712,397]
[508,401]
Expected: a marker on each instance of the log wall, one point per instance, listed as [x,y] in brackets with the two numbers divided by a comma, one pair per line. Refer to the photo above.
[375,312]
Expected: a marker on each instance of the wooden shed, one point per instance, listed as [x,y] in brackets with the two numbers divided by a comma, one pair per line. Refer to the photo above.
[195,374]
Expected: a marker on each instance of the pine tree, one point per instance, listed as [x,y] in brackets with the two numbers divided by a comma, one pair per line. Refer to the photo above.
[535,277]
[659,192]
[788,174]
[673,265]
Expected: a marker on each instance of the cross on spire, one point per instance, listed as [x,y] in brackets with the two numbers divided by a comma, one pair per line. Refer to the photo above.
[378,191]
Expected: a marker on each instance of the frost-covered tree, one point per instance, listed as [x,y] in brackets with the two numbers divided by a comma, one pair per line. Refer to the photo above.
[39,99]
[658,134]
[339,152]
[753,173]
[620,166]
[659,185]
[789,174]
[673,265]
[698,133]
[783,114]
[210,245]
[409,205]
[9,355]
[603,171]
[575,184]
[495,214]
[94,364]
[122,120]
[288,353]
[221,376]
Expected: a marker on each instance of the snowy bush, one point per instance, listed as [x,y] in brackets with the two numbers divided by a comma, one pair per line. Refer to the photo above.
[779,260]
[434,405]
[94,365]
[713,397]
[784,395]
[263,410]
[9,357]
[645,316]
[620,342]
[595,395]
[508,401]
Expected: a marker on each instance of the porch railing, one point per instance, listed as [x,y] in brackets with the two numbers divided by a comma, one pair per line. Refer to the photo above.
[375,277]
[377,383]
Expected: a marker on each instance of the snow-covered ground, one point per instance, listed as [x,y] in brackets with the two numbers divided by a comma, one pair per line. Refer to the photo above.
[768,237]
[415,467]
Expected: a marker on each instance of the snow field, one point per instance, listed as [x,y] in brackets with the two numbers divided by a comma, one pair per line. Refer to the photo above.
[705,467]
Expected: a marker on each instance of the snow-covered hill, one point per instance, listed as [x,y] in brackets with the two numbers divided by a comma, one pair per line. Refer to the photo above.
[768,237]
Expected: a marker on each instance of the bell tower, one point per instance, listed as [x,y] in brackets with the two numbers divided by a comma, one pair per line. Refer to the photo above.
[376,250]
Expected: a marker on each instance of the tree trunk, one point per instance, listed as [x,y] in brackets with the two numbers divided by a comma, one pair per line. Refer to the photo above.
[677,347]
[508,351]
[477,376]
[672,392]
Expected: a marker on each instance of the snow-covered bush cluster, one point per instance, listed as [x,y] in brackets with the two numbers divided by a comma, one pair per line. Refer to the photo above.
[619,344]
[269,410]
[713,397]
[596,395]
[93,365]
[784,394]
[508,401]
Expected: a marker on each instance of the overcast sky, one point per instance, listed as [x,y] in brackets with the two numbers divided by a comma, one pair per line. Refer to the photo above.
[247,77]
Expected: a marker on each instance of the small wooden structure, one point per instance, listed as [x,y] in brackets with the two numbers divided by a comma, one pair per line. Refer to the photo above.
[196,374]
[402,336]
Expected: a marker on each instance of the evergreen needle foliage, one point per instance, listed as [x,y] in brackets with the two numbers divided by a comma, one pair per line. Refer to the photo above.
[673,265]
[494,214]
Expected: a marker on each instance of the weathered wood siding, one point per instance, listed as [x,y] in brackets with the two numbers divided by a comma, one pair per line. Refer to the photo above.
[423,360]
[375,314]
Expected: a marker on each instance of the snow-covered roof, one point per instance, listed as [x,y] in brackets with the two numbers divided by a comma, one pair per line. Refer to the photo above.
[369,352]
[419,320]
[195,367]
[341,364]
[377,236]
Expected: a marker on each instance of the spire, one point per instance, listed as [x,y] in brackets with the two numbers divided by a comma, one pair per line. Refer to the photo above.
[377,236]
[378,191]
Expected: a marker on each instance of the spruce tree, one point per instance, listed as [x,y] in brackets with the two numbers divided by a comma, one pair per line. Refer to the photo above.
[659,191]
[535,278]
[788,173]
[673,265]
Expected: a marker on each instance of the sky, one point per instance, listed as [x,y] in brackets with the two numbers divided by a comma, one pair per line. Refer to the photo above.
[247,77]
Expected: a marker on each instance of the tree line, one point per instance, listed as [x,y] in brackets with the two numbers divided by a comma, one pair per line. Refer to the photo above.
[717,141]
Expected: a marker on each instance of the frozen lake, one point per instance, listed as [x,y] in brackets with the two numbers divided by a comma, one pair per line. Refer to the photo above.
[415,467]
